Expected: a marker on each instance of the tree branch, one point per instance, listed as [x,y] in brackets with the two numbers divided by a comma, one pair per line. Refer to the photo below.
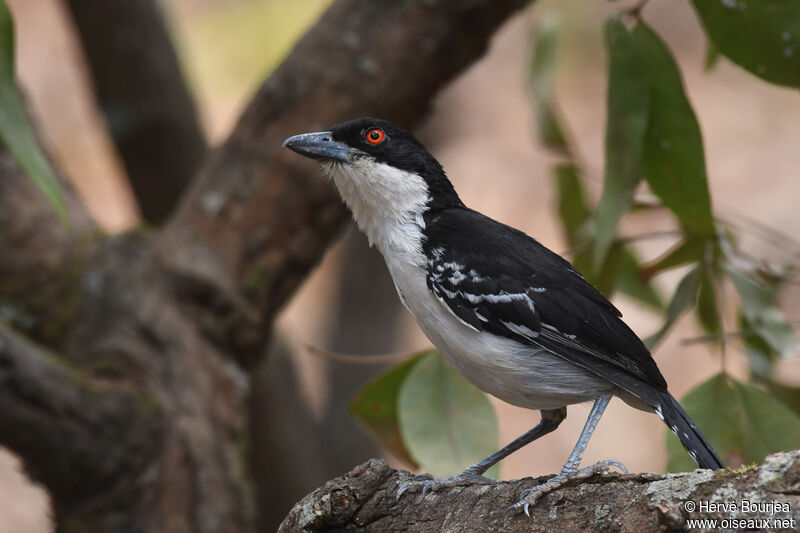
[259,219]
[147,106]
[364,500]
[61,422]
[41,260]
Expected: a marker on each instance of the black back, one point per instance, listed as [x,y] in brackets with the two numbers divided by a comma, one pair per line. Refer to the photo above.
[569,316]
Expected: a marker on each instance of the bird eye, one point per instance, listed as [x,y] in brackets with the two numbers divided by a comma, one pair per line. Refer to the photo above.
[375,136]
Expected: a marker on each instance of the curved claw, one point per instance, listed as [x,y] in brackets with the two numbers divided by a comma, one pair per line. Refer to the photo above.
[401,490]
[528,498]
[429,483]
[600,466]
[619,465]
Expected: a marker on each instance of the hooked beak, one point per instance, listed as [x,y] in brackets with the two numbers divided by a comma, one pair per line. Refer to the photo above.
[321,146]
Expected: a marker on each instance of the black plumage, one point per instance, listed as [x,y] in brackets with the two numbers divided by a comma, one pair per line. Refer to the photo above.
[503,260]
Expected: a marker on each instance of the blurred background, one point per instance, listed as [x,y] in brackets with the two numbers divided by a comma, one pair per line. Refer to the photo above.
[484,120]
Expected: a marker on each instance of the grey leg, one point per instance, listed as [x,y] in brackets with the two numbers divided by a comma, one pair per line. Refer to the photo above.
[551,418]
[570,470]
[597,411]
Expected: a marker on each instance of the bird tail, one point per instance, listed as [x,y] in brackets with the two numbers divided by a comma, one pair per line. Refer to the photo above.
[673,415]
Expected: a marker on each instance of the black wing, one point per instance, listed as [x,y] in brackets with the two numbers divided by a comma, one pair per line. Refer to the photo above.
[498,279]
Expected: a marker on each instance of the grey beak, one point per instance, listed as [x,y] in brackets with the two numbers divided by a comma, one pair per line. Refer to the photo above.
[321,146]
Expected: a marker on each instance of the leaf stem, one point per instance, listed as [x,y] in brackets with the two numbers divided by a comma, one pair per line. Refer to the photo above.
[378,359]
[743,333]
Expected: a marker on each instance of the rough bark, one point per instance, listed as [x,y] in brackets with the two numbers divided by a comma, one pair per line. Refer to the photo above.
[151,324]
[364,500]
[144,99]
[41,260]
[46,400]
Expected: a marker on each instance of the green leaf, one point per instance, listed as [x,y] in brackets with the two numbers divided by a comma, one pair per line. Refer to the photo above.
[375,406]
[605,279]
[761,314]
[446,423]
[788,394]
[628,107]
[761,36]
[15,131]
[685,296]
[674,162]
[741,422]
[760,355]
[689,250]
[712,57]
[707,308]
[542,81]
[630,282]
[573,208]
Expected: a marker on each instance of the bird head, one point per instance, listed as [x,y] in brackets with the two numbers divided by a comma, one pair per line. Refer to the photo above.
[384,174]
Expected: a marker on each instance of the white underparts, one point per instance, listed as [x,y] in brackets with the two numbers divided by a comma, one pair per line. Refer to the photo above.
[387,203]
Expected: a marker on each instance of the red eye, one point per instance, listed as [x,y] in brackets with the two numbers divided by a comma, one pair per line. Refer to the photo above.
[375,136]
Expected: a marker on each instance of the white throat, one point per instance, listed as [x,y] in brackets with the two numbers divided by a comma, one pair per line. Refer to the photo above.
[387,203]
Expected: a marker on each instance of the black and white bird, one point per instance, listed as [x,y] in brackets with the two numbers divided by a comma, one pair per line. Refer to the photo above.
[516,319]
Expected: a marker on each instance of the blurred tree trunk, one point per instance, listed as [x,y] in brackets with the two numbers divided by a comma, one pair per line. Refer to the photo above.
[143,96]
[125,361]
[364,320]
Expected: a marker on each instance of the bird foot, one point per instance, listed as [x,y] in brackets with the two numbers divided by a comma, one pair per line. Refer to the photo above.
[530,496]
[427,483]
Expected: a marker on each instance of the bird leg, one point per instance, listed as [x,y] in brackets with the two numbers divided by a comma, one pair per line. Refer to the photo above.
[551,418]
[570,470]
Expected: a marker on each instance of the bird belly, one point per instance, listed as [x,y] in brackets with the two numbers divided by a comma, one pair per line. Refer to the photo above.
[517,373]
